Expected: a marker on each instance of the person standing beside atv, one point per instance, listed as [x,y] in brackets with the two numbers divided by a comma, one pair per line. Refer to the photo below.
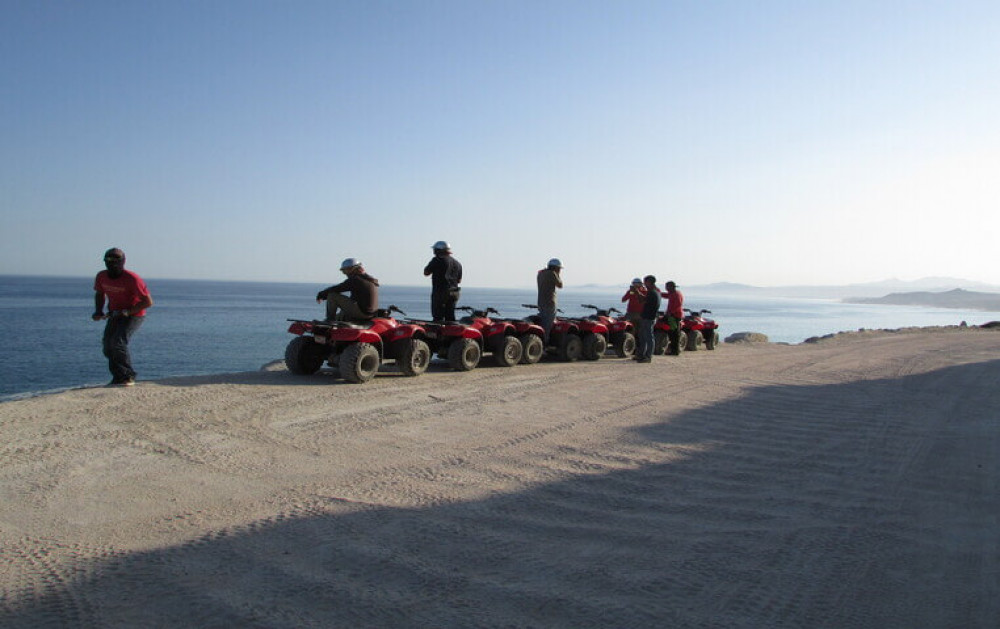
[635,297]
[446,275]
[674,316]
[650,312]
[549,279]
[127,297]
[362,303]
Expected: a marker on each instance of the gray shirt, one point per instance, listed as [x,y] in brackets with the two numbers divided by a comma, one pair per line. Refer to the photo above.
[548,282]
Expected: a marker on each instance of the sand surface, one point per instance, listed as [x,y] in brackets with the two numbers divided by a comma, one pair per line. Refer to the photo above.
[847,483]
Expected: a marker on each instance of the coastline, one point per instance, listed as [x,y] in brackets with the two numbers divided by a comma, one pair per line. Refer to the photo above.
[737,487]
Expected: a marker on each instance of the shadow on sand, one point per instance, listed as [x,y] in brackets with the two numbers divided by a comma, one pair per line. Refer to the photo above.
[854,512]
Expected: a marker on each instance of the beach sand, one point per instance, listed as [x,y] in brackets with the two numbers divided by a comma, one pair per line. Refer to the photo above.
[851,482]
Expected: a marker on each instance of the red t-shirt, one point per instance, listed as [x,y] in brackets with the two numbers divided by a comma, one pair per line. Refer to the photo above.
[675,304]
[122,292]
[635,301]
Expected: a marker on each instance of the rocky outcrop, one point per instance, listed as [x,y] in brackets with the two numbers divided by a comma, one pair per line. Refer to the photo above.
[747,337]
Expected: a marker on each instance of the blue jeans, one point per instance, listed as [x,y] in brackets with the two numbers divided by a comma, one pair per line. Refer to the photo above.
[117,333]
[546,318]
[645,349]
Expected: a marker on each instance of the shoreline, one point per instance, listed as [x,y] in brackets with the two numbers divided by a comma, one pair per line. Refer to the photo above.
[278,364]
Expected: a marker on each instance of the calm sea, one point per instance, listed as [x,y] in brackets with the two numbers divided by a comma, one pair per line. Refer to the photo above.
[49,342]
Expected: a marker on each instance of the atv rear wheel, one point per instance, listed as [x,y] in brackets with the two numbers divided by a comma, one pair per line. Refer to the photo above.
[594,346]
[413,357]
[507,351]
[464,355]
[359,363]
[304,356]
[660,342]
[570,348]
[532,349]
[625,347]
[695,340]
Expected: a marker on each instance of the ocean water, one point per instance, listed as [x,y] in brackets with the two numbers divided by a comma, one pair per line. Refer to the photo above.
[49,342]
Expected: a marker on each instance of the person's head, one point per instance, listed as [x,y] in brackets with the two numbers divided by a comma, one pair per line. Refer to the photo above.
[114,261]
[636,282]
[441,248]
[351,266]
[671,287]
[650,281]
[555,264]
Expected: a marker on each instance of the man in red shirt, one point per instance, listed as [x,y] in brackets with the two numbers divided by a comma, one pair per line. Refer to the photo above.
[127,298]
[674,316]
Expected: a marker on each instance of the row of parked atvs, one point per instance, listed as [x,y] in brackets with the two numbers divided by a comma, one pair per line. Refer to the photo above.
[357,350]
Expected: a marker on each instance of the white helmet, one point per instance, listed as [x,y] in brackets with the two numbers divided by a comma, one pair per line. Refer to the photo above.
[441,245]
[349,263]
[636,280]
[556,262]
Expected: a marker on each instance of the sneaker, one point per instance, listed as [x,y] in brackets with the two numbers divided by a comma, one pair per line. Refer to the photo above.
[128,382]
[645,360]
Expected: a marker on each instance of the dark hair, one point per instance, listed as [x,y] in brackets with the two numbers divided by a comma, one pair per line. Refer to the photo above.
[649,278]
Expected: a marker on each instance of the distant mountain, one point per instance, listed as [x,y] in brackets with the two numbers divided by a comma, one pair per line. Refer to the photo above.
[869,289]
[957,298]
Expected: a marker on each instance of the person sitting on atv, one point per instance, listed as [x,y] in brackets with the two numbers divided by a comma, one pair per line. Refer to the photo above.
[363,302]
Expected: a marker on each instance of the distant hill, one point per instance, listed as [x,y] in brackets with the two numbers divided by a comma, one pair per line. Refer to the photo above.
[850,291]
[957,298]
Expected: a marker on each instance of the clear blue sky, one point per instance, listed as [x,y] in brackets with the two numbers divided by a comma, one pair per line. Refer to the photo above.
[767,143]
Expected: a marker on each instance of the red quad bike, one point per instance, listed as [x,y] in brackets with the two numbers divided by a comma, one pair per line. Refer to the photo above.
[700,330]
[500,338]
[621,332]
[566,338]
[595,335]
[460,344]
[357,349]
[661,337]
[531,336]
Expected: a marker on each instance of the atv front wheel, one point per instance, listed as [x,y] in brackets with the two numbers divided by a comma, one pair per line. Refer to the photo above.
[625,347]
[711,338]
[507,351]
[695,340]
[359,363]
[464,355]
[413,357]
[532,349]
[304,356]
[594,346]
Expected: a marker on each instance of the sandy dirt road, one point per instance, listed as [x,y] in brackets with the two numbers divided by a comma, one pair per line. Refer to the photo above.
[847,483]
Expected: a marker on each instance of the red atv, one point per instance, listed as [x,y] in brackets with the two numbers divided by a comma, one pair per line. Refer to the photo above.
[700,330]
[573,339]
[357,349]
[621,332]
[459,344]
[531,336]
[661,337]
[500,337]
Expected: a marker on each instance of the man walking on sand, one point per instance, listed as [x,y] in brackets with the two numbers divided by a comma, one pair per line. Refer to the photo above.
[549,279]
[127,297]
[650,311]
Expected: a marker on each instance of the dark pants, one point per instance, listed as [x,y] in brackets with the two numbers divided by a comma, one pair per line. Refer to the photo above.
[674,335]
[117,333]
[646,343]
[443,304]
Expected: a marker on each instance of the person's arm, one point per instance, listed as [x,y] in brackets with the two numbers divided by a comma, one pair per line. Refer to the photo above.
[98,306]
[322,295]
[558,280]
[146,301]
